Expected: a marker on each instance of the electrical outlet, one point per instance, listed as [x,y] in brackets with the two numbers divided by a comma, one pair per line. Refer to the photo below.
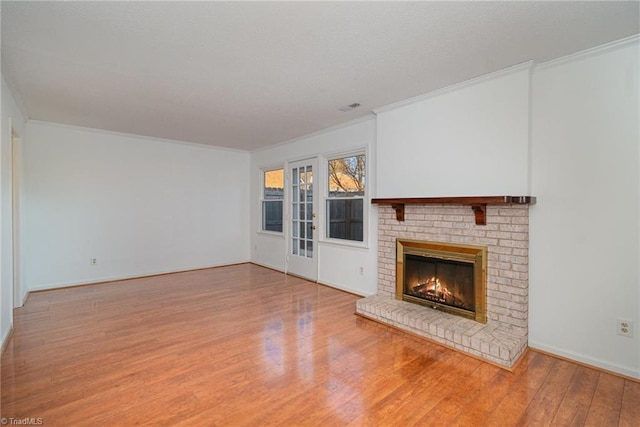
[93,261]
[361,270]
[625,327]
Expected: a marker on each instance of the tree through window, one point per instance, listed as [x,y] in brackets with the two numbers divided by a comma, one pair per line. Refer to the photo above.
[345,203]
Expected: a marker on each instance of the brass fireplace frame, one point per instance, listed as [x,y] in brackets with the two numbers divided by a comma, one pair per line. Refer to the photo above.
[476,255]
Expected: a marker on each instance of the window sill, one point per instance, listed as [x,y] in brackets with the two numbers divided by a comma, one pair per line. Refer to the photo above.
[344,243]
[271,233]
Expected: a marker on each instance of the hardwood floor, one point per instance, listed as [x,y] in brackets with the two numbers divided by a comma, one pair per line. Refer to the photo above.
[244,345]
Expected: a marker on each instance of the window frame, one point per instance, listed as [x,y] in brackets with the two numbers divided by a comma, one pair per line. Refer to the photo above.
[326,197]
[263,173]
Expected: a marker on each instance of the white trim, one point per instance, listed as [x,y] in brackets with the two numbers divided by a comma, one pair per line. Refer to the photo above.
[4,342]
[366,199]
[269,266]
[128,277]
[25,298]
[332,241]
[272,167]
[15,149]
[339,154]
[530,144]
[271,233]
[17,97]
[344,288]
[135,136]
[323,283]
[305,157]
[618,44]
[456,86]
[261,198]
[301,262]
[624,370]
[320,132]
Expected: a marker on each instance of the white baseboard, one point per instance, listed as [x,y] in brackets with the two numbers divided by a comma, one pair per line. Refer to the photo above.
[346,289]
[5,339]
[611,367]
[105,279]
[321,282]
[269,266]
[25,298]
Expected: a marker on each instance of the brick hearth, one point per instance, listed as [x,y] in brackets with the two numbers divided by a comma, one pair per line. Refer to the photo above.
[503,338]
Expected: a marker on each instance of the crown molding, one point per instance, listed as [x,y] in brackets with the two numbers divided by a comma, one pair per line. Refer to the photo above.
[320,132]
[607,47]
[457,86]
[136,136]
[17,97]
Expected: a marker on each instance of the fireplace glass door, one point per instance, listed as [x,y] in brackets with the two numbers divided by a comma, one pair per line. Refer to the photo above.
[440,280]
[444,276]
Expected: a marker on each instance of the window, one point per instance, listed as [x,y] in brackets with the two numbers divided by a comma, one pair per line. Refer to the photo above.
[272,200]
[345,203]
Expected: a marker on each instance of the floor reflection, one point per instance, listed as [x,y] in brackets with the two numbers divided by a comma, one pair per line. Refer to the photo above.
[273,347]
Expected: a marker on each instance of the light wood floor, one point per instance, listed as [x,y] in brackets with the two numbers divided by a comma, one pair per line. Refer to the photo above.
[244,345]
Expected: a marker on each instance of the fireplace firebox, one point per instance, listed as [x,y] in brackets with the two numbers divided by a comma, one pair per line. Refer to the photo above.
[443,276]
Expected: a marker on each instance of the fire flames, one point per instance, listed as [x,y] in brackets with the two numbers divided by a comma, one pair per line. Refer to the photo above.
[432,289]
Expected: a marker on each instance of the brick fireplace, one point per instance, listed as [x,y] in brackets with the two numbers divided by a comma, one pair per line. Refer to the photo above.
[504,231]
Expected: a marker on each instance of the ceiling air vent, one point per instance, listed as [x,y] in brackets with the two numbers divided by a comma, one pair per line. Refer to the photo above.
[350,107]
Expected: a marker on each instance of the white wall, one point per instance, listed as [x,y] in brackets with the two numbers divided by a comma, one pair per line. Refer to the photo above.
[139,205]
[11,117]
[585,229]
[471,139]
[145,206]
[339,265]
[567,133]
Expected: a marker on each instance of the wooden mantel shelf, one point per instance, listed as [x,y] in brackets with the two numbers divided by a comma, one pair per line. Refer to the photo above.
[477,203]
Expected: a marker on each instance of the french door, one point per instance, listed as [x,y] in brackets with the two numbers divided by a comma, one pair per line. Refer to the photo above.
[303,235]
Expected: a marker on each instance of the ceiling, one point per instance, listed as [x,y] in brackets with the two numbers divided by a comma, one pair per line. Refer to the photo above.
[250,74]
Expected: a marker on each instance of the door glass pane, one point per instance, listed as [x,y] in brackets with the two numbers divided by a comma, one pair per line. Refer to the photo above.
[302,211]
[302,248]
[309,186]
[294,186]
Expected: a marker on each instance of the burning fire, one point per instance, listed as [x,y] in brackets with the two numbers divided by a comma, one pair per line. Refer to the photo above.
[432,289]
